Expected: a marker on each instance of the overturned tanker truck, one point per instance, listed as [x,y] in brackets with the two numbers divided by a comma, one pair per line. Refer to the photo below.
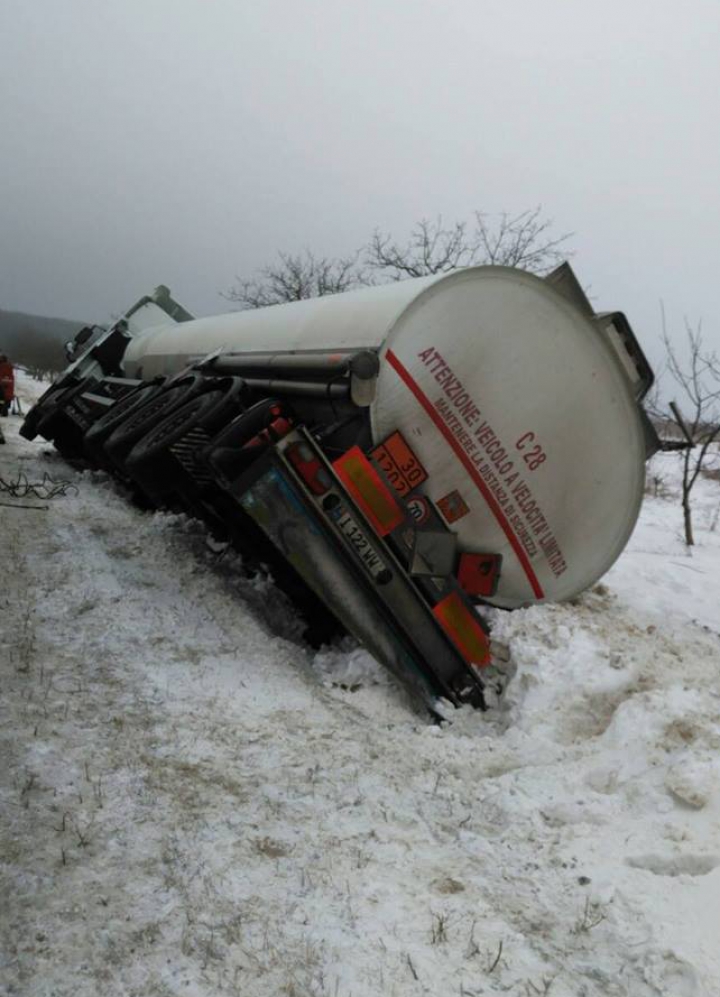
[399,456]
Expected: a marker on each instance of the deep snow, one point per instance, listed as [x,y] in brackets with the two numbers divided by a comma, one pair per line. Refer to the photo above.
[195,803]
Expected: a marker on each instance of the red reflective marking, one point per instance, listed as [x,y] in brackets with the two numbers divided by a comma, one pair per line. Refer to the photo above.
[478,574]
[497,512]
[463,629]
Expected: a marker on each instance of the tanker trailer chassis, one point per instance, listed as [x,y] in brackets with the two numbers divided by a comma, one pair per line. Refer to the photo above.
[347,541]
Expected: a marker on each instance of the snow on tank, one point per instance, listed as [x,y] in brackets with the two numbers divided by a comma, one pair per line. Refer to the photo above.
[522,405]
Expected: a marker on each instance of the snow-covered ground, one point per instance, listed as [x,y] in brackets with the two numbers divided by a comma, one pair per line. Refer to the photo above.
[195,803]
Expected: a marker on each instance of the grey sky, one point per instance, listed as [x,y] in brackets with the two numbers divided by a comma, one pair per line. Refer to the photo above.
[185,141]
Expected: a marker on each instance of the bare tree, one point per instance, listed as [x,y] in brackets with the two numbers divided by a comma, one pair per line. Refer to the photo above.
[523,241]
[699,379]
[294,277]
[431,248]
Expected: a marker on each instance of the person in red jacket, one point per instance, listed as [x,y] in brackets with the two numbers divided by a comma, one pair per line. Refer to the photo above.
[7,384]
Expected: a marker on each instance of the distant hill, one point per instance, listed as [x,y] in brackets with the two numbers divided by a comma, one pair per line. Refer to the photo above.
[36,340]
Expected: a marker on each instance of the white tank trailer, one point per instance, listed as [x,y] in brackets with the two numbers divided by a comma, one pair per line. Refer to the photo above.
[522,405]
[518,408]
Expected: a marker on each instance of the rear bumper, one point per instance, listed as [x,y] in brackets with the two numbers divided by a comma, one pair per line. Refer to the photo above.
[366,587]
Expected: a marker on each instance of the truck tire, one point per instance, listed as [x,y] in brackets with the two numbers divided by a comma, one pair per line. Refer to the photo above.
[101,430]
[56,426]
[232,450]
[139,422]
[46,405]
[164,462]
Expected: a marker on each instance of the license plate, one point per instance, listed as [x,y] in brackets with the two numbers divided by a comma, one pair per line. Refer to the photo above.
[358,541]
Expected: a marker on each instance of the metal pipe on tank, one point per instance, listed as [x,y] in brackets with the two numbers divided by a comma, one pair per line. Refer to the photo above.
[310,364]
[304,389]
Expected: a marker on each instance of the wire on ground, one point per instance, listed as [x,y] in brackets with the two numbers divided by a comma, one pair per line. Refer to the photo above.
[46,489]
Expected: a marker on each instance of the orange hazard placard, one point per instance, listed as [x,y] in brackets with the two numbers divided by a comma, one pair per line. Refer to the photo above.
[404,471]
[369,491]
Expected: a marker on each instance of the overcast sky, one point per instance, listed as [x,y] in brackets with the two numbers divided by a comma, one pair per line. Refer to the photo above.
[186,141]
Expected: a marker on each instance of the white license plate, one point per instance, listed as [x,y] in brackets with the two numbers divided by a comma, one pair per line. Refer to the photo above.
[358,541]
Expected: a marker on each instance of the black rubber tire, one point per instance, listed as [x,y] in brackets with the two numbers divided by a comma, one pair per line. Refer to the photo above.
[227,455]
[51,403]
[56,427]
[46,405]
[152,463]
[122,440]
[101,430]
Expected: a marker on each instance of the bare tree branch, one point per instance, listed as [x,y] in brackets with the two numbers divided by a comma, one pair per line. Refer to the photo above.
[698,377]
[430,249]
[524,240]
[295,277]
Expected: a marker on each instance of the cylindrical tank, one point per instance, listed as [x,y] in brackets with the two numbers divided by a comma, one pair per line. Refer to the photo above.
[519,407]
